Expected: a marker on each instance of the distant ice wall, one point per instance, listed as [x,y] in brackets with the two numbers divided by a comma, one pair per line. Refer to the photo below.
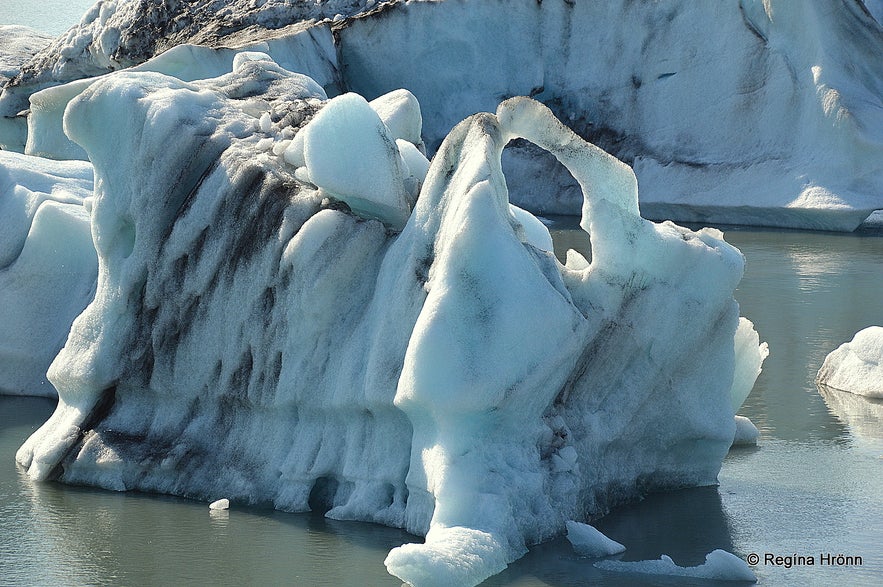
[754,112]
[266,329]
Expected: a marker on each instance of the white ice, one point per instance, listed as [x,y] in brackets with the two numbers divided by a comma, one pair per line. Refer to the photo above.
[746,432]
[588,541]
[719,565]
[292,325]
[774,120]
[220,504]
[856,366]
[18,44]
[348,134]
[47,264]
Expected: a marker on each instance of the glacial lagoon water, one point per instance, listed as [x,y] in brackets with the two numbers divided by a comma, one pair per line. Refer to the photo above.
[811,488]
[48,16]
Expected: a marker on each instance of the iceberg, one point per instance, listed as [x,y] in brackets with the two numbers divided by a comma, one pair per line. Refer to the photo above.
[18,45]
[588,541]
[48,264]
[855,366]
[774,121]
[294,308]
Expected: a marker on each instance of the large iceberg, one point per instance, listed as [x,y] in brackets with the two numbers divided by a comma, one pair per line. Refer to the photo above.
[291,309]
[772,120]
[18,44]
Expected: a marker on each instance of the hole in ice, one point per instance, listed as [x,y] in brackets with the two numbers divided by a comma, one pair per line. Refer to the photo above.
[322,495]
[565,230]
[567,234]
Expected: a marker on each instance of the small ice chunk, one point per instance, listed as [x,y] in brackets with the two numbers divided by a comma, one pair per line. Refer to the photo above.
[856,366]
[400,112]
[450,556]
[221,504]
[588,541]
[565,459]
[535,232]
[351,156]
[750,355]
[240,60]
[266,123]
[294,152]
[280,147]
[303,174]
[719,565]
[418,164]
[746,432]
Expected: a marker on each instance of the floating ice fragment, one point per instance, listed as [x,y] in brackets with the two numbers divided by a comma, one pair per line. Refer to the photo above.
[750,355]
[221,504]
[856,366]
[588,541]
[719,565]
[746,432]
[456,556]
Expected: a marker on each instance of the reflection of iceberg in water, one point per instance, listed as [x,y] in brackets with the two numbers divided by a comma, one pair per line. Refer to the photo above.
[863,415]
[280,319]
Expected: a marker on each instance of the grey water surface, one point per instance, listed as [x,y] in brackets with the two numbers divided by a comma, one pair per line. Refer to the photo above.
[47,16]
[811,488]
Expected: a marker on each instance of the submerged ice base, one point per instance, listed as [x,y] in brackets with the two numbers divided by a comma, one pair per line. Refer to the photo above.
[390,343]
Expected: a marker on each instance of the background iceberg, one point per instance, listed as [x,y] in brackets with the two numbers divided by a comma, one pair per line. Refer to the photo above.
[47,264]
[264,335]
[773,120]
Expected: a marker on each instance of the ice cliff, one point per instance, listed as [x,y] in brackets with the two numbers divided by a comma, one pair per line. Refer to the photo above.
[763,112]
[294,308]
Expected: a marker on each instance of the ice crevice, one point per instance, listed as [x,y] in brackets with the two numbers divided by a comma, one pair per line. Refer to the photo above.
[294,307]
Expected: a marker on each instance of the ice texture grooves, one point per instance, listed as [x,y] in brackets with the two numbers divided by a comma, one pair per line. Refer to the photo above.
[254,336]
